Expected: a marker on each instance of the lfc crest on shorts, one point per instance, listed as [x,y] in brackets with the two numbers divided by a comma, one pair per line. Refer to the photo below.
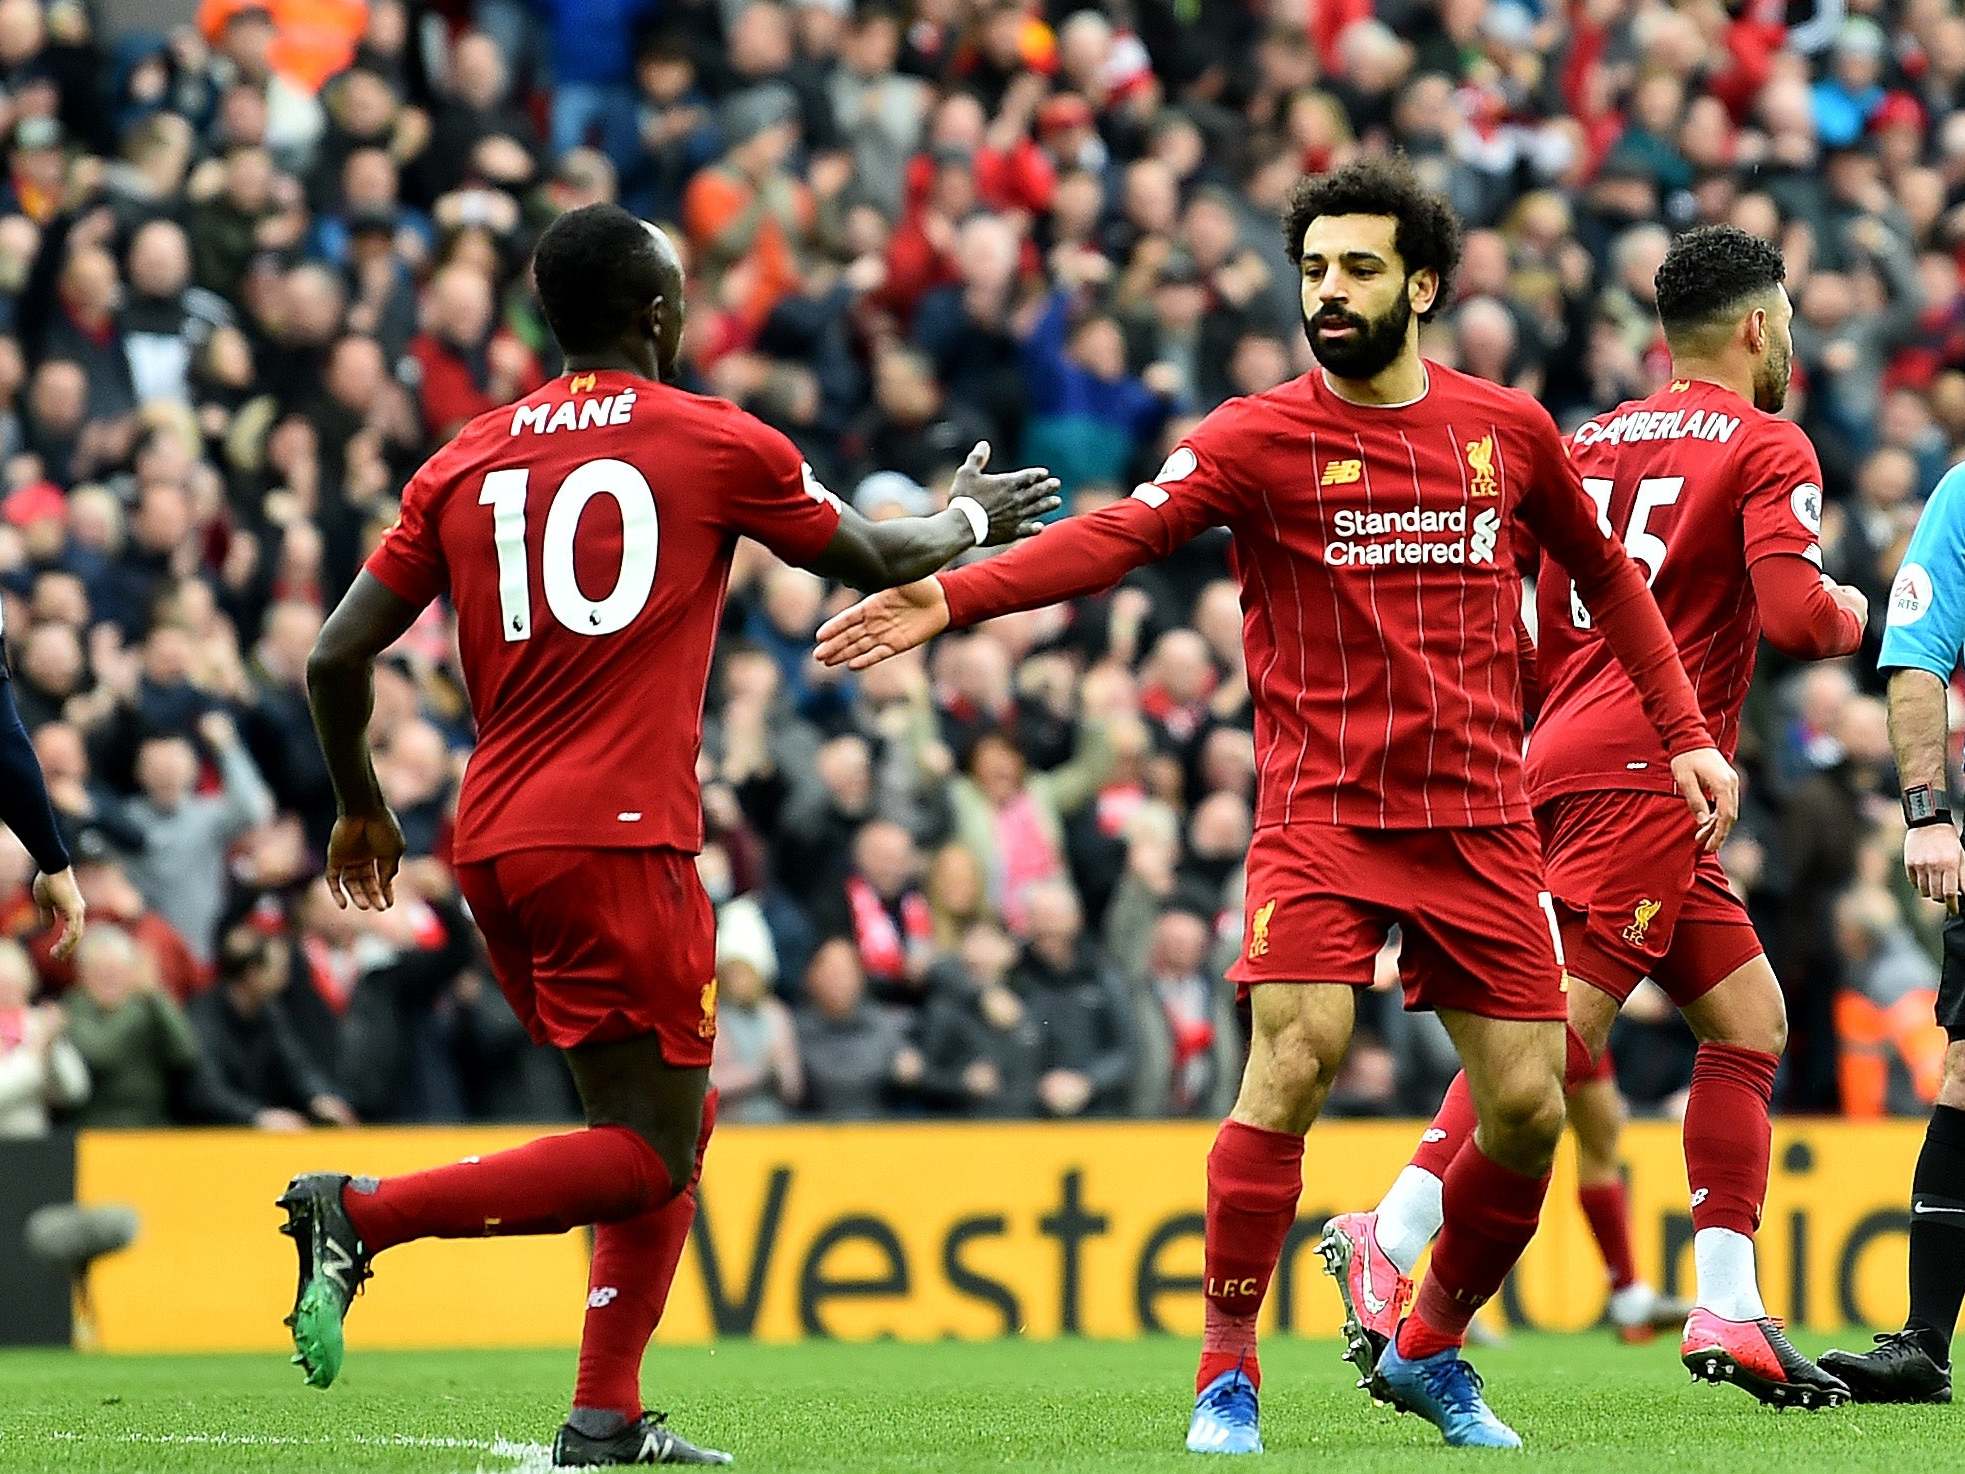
[707,1027]
[1259,930]
[1641,921]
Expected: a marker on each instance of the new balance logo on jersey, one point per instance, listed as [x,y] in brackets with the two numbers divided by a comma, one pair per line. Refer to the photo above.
[1259,930]
[1480,468]
[1432,1134]
[1641,918]
[602,1295]
[587,414]
[1700,1196]
[1343,473]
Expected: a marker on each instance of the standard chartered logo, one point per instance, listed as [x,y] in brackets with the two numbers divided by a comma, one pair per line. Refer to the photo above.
[1412,536]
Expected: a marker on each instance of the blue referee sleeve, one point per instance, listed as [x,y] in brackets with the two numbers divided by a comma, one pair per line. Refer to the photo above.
[1925,625]
[24,805]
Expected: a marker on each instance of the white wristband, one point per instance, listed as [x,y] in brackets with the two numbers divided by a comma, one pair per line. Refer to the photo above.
[969,507]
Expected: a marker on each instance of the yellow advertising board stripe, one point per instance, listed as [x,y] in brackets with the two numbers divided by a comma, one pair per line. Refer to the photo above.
[927,1231]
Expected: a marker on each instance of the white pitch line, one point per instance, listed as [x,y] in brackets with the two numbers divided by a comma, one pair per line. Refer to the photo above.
[519,1458]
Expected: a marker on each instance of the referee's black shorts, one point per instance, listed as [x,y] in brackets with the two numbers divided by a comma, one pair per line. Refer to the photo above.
[1951,982]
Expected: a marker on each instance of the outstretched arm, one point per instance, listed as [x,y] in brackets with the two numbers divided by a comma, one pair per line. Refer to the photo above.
[366,845]
[1078,556]
[1195,489]
[983,510]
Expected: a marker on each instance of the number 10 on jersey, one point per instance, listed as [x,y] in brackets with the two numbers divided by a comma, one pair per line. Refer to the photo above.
[1646,546]
[504,493]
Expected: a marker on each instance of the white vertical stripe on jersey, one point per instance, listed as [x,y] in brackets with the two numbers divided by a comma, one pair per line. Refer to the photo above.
[1460,652]
[1384,649]
[1337,616]
[1507,491]
[1302,650]
[1419,608]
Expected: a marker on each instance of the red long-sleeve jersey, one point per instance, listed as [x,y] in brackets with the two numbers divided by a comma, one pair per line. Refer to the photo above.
[1722,505]
[1380,595]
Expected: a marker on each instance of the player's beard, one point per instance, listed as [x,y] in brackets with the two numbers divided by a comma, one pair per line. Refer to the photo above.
[1372,346]
[1770,387]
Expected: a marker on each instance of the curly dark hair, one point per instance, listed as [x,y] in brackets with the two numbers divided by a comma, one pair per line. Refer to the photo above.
[596,267]
[1709,273]
[1428,235]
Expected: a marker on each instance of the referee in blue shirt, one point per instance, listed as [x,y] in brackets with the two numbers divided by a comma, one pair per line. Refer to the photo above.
[1922,641]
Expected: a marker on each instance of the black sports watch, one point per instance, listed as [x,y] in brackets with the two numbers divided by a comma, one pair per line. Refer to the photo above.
[1923,807]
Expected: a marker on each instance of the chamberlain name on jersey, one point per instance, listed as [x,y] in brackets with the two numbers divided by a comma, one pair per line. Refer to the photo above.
[1671,424]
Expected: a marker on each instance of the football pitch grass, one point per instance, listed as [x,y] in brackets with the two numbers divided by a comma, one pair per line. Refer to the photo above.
[1581,1402]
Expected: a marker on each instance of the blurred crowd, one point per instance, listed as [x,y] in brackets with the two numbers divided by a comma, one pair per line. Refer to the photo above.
[254,269]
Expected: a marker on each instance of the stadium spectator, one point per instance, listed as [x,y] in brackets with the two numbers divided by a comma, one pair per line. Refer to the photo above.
[40,1070]
[882,910]
[181,871]
[1086,1056]
[980,1045]
[142,1057]
[855,1057]
[258,1065]
[756,1071]
[1190,1045]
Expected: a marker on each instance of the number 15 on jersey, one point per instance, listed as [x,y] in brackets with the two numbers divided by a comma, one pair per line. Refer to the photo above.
[1644,545]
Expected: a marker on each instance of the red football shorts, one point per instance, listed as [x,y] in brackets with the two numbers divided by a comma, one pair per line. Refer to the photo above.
[593,945]
[1479,934]
[1638,898]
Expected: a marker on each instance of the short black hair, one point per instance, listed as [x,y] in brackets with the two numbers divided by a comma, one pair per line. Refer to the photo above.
[596,269]
[1427,237]
[1709,273]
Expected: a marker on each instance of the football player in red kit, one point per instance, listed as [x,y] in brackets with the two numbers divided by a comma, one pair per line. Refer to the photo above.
[1719,500]
[584,537]
[1374,503]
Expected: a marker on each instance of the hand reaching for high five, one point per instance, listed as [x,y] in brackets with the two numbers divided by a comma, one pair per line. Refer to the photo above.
[1012,501]
[884,624]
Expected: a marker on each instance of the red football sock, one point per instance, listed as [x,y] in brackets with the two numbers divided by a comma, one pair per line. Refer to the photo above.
[546,1186]
[1490,1215]
[1254,1179]
[1728,1135]
[1452,1127]
[1609,1213]
[634,1264]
